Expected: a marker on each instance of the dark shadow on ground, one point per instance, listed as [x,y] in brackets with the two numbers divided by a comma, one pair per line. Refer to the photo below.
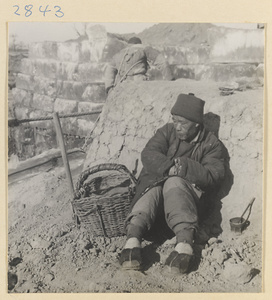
[12,280]
[254,272]
[150,256]
[210,217]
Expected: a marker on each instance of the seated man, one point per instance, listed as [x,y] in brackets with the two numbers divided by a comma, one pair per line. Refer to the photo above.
[194,158]
[132,63]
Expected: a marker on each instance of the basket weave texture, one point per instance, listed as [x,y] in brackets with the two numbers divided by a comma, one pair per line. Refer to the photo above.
[102,203]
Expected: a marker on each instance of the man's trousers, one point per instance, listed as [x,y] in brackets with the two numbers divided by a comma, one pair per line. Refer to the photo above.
[176,201]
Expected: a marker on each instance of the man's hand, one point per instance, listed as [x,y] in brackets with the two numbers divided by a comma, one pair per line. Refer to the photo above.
[178,166]
[176,169]
[178,161]
[172,171]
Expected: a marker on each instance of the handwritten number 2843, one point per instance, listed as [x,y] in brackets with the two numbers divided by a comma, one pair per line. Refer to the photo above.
[28,10]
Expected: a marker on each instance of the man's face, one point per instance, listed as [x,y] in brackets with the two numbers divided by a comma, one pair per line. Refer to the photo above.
[185,129]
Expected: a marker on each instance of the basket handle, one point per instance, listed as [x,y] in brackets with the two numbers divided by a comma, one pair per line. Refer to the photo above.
[104,167]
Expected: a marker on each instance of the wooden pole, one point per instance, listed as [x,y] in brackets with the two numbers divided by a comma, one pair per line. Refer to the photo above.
[63,151]
[64,155]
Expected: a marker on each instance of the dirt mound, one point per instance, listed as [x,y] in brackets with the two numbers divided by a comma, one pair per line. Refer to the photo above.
[185,34]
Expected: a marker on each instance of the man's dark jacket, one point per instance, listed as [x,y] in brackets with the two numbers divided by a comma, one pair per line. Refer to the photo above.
[202,161]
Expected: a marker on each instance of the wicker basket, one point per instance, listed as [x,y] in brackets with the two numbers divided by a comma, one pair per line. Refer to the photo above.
[102,209]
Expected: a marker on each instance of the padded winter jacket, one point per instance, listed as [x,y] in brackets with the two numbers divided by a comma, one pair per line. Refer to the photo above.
[134,61]
[202,161]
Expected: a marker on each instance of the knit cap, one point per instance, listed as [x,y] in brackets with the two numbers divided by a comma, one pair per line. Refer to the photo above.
[189,107]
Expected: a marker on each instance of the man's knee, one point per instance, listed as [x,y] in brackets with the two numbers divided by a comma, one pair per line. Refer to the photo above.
[145,210]
[179,202]
[138,218]
[150,202]
[174,182]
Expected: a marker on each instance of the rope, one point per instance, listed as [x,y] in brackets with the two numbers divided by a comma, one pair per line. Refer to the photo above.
[123,78]
[15,122]
[89,136]
[119,69]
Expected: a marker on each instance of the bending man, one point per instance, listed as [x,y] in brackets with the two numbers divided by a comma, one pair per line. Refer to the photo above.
[132,63]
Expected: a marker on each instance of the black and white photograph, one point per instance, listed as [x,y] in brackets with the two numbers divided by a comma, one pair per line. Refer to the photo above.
[135,157]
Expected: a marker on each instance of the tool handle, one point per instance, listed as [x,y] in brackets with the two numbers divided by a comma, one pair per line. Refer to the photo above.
[249,205]
[63,151]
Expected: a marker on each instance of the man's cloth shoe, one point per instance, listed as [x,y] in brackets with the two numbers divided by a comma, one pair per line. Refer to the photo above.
[131,259]
[178,262]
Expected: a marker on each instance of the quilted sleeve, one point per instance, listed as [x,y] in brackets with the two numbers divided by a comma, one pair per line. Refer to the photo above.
[154,156]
